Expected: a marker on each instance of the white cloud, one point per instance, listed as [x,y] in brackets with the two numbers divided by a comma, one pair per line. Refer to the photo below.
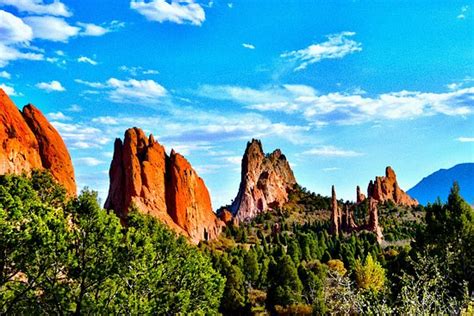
[331,169]
[337,46]
[8,54]
[74,108]
[81,136]
[331,151]
[10,91]
[89,29]
[345,108]
[130,91]
[51,28]
[14,36]
[179,12]
[150,72]
[87,60]
[89,161]
[249,46]
[13,29]
[58,116]
[51,86]
[135,71]
[96,85]
[465,139]
[106,120]
[5,75]
[464,10]
[38,7]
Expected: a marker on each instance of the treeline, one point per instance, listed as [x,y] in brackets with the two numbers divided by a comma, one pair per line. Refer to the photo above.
[278,265]
[69,256]
[61,255]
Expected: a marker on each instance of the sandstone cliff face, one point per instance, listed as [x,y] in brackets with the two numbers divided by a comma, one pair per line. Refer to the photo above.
[52,149]
[386,189]
[335,213]
[28,141]
[168,188]
[265,182]
[19,150]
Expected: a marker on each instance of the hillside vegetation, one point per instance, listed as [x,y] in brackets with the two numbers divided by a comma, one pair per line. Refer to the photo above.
[61,255]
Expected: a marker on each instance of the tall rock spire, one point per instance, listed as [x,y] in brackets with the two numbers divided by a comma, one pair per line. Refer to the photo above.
[265,182]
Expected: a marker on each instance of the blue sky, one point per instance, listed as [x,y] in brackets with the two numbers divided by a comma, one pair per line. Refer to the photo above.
[344,88]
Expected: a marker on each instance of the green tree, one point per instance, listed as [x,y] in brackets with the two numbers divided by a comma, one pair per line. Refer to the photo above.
[370,275]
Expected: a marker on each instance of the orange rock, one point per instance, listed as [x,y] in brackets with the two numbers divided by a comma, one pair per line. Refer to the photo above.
[28,141]
[168,188]
[386,189]
[225,215]
[189,203]
[335,213]
[19,151]
[265,182]
[52,149]
[373,224]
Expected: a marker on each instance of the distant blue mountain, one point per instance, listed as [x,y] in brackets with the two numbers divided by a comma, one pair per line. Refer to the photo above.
[440,182]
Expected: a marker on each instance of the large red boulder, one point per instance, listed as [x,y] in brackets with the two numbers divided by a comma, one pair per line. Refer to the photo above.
[142,175]
[28,141]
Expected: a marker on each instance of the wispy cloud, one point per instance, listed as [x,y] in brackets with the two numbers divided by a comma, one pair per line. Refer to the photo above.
[464,11]
[465,139]
[180,12]
[247,45]
[331,151]
[337,46]
[87,60]
[343,107]
[89,161]
[5,75]
[51,86]
[58,116]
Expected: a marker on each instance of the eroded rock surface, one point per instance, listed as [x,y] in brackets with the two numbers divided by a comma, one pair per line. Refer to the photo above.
[265,182]
[28,141]
[167,187]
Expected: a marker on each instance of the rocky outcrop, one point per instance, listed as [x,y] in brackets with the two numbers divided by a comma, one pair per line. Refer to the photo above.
[348,223]
[386,189]
[265,182]
[52,149]
[373,225]
[335,213]
[342,220]
[28,141]
[360,196]
[142,175]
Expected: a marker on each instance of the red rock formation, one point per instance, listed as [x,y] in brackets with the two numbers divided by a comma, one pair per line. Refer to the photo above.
[265,182]
[360,196]
[189,203]
[386,189]
[30,142]
[348,223]
[52,149]
[142,175]
[225,215]
[373,224]
[19,150]
[335,213]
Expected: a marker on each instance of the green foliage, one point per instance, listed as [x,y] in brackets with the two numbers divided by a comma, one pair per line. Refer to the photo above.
[73,257]
[370,275]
